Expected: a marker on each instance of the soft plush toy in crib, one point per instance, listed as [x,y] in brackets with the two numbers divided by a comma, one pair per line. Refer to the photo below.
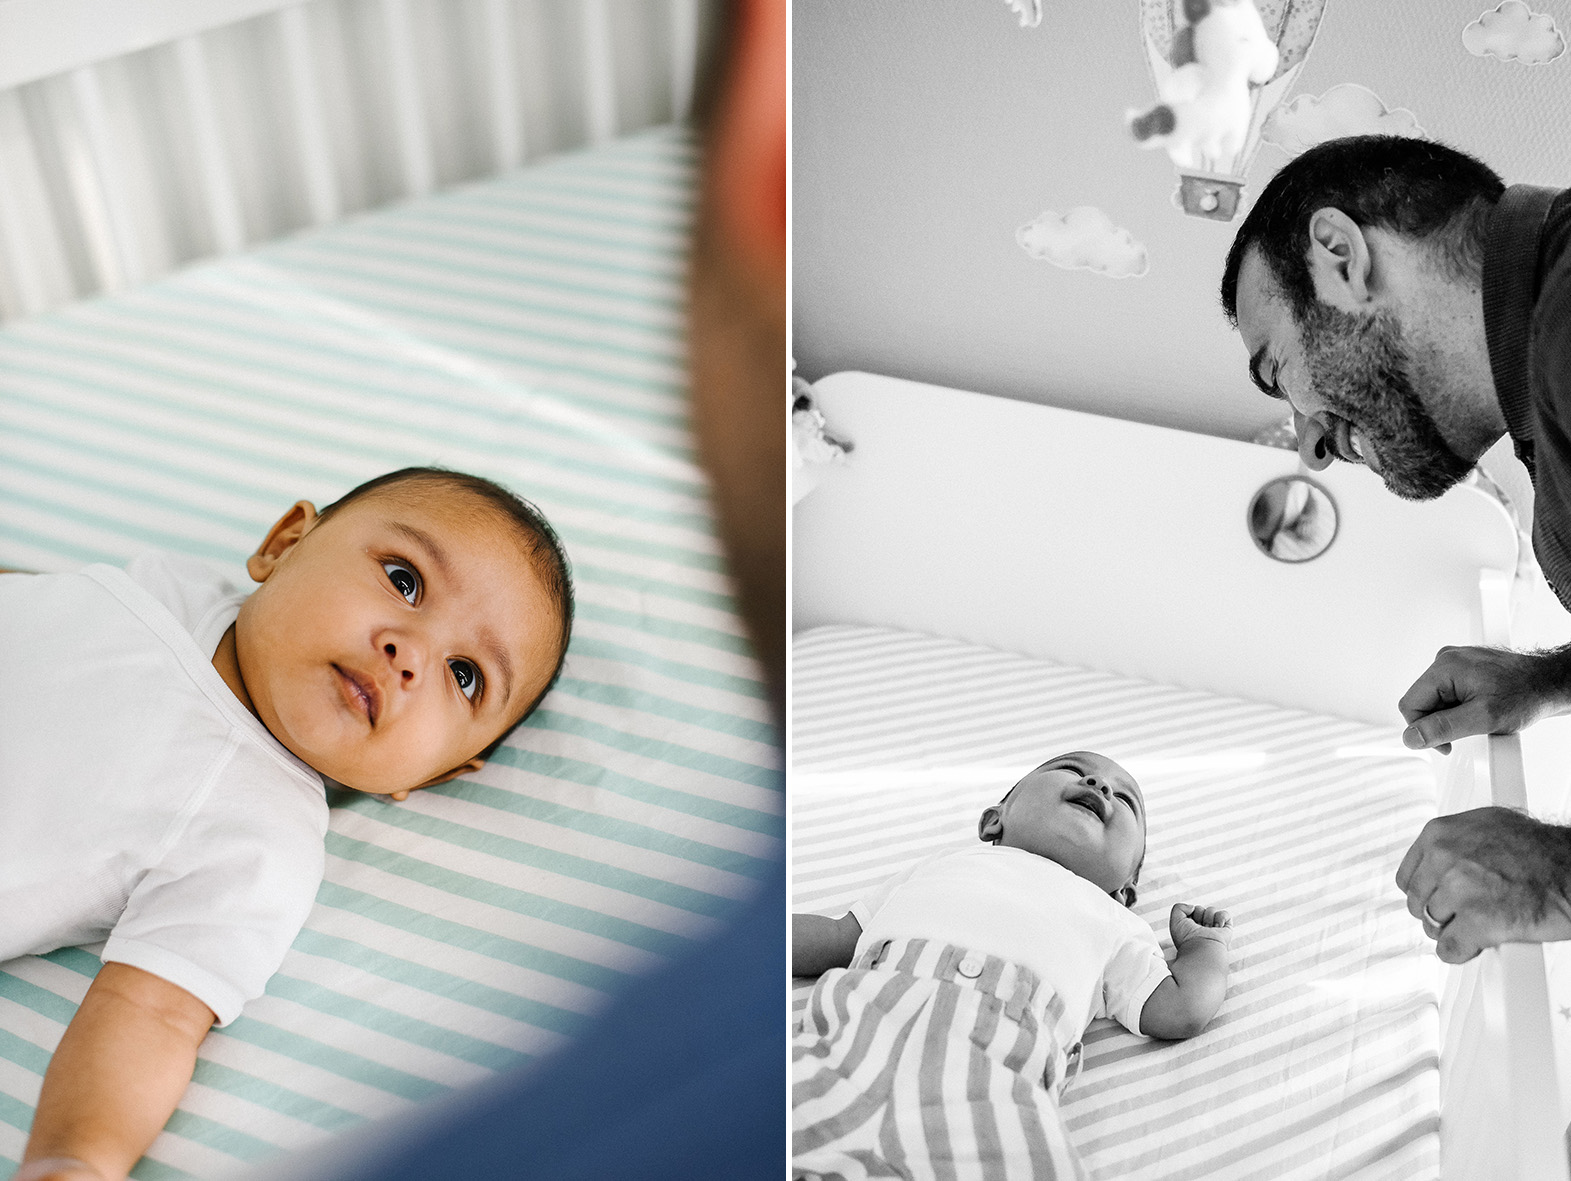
[1204,110]
[812,446]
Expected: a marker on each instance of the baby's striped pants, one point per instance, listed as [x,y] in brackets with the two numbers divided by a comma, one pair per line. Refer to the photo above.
[924,1060]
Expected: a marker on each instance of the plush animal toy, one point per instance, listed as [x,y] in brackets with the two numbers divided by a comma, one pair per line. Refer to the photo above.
[812,446]
[1204,112]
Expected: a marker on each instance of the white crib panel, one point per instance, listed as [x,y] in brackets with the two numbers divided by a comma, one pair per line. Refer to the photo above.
[26,270]
[40,38]
[414,143]
[217,181]
[600,92]
[684,54]
[310,126]
[121,168]
[101,188]
[502,74]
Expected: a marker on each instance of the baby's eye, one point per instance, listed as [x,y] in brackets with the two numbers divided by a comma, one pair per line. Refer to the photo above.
[405,580]
[1130,800]
[467,676]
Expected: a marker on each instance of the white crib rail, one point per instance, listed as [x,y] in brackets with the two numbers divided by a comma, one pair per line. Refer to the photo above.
[1499,1066]
[352,103]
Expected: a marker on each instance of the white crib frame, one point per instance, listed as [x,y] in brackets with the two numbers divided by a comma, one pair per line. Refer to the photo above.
[42,39]
[1105,543]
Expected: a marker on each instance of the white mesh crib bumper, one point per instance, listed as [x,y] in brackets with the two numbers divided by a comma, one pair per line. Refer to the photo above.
[1324,1059]
[527,329]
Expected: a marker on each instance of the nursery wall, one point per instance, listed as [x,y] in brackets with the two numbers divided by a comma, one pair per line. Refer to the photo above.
[925,135]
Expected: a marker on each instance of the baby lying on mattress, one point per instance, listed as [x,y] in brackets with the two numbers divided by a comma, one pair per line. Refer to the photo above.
[164,737]
[937,1038]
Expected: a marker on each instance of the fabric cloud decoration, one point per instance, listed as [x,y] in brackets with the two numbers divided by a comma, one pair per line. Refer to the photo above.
[1083,239]
[1348,109]
[1029,12]
[1514,32]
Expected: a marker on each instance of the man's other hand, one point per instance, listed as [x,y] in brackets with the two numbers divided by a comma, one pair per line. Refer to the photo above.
[1488,876]
[1483,691]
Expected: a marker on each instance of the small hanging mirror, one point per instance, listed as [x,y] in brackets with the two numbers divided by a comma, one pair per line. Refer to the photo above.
[1292,519]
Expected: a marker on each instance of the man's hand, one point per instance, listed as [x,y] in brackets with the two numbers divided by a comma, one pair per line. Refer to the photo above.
[1186,923]
[1483,691]
[1485,877]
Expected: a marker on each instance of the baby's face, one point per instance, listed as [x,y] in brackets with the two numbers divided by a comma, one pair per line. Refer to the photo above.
[1081,810]
[398,638]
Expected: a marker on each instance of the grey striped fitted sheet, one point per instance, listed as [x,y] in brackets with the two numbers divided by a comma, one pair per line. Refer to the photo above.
[1324,1059]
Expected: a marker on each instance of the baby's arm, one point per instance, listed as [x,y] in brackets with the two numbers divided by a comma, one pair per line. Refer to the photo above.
[118,1073]
[819,943]
[1185,1002]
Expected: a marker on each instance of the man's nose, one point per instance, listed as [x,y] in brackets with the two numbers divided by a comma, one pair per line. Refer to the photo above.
[1312,448]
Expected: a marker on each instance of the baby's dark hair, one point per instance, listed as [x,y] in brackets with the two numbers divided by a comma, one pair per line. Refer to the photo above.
[541,545]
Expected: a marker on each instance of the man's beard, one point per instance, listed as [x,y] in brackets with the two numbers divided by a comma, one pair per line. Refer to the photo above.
[1358,366]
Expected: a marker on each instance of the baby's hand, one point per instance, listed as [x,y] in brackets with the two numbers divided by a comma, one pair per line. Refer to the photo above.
[1187,923]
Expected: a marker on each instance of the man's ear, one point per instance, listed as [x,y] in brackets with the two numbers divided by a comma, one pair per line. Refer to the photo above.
[280,539]
[1339,260]
[470,765]
[991,826]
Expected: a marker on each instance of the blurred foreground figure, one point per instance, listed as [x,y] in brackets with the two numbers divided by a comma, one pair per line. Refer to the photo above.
[684,1077]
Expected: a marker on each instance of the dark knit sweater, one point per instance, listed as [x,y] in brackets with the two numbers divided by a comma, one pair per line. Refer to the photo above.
[1527,323]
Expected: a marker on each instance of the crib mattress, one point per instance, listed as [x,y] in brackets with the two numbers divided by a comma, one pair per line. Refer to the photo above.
[528,329]
[1324,1059]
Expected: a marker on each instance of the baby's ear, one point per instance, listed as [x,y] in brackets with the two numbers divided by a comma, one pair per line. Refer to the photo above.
[1126,894]
[991,826]
[469,765]
[280,539]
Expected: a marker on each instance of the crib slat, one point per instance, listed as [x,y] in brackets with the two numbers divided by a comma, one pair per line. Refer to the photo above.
[223,207]
[100,189]
[305,96]
[18,256]
[1534,1085]
[502,63]
[599,75]
[414,145]
[684,56]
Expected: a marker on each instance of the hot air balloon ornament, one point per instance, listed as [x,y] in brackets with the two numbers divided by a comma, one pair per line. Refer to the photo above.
[1220,68]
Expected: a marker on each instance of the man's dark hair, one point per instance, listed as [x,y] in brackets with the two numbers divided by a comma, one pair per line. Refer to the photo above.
[541,545]
[1415,187]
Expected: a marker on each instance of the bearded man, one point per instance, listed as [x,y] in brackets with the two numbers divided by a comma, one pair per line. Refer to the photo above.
[1413,309]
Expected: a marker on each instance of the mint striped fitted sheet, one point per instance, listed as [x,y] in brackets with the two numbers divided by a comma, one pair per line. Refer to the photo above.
[1324,1059]
[527,328]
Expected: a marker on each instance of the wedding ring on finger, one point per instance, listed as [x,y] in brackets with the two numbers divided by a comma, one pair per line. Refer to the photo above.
[1429,917]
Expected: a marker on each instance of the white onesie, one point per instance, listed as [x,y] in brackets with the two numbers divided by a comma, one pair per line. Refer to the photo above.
[1101,958]
[138,798]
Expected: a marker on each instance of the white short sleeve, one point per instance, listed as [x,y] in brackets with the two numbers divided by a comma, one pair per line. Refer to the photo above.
[863,909]
[218,912]
[1136,969]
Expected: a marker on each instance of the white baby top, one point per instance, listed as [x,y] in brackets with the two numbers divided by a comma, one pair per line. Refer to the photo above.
[138,798]
[1101,958]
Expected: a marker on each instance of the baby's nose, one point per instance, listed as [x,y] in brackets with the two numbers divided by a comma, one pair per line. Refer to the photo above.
[405,666]
[1093,782]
